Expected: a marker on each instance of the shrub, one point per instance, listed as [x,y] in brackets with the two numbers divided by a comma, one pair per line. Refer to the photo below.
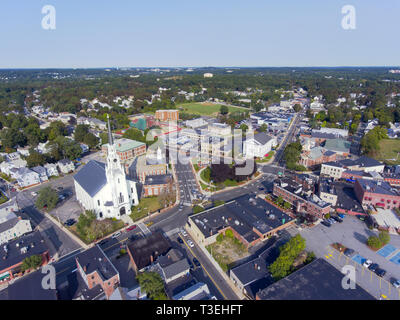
[220,238]
[229,233]
[374,242]
[384,237]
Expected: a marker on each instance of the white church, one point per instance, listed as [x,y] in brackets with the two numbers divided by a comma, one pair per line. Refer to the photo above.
[104,187]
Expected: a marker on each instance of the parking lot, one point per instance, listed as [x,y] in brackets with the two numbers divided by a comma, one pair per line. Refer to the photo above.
[353,233]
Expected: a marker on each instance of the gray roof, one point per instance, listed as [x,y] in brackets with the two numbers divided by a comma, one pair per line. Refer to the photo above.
[39,169]
[316,281]
[251,271]
[7,225]
[176,268]
[92,177]
[262,137]
[94,259]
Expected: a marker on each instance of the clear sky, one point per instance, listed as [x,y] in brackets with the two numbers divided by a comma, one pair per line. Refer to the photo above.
[166,33]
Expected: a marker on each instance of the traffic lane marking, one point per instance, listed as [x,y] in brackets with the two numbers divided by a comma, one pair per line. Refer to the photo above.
[190,249]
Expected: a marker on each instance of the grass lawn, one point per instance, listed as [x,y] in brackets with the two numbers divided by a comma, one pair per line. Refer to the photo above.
[3,198]
[266,159]
[146,205]
[389,149]
[227,252]
[206,108]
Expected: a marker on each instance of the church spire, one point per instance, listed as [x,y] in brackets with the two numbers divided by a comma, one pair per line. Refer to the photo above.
[110,136]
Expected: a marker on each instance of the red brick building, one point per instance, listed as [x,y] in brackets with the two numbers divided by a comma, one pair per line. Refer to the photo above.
[97,270]
[376,193]
[167,115]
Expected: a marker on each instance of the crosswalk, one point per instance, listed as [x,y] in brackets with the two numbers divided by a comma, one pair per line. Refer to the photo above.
[146,231]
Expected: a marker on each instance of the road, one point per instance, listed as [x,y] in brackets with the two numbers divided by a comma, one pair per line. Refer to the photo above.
[292,129]
[186,184]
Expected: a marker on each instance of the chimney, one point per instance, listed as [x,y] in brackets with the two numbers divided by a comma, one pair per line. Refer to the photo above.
[151,259]
[84,269]
[255,266]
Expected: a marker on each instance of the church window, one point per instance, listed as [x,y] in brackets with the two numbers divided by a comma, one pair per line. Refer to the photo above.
[98,202]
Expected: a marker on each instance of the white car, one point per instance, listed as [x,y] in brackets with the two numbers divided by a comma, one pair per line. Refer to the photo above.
[396,284]
[367,263]
[190,243]
[116,235]
[33,193]
[184,233]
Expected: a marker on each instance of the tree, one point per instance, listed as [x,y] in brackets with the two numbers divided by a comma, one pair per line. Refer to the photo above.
[288,253]
[80,132]
[35,159]
[263,128]
[374,242]
[47,197]
[152,284]
[91,140]
[384,237]
[224,110]
[32,262]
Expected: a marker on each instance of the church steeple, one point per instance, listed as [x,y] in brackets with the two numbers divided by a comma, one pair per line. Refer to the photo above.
[110,136]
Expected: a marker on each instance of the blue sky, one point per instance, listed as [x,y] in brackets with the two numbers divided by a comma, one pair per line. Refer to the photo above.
[165,33]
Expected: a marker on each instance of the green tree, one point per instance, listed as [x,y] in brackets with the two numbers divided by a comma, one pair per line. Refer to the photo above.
[384,237]
[47,197]
[91,140]
[152,284]
[282,266]
[197,209]
[80,132]
[374,242]
[32,262]
[35,159]
[297,107]
[263,128]
[223,110]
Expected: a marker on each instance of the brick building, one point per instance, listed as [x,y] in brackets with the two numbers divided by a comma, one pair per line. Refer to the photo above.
[167,115]
[97,271]
[377,193]
[127,149]
[303,201]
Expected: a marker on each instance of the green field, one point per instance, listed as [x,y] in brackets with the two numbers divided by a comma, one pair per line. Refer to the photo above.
[389,151]
[206,109]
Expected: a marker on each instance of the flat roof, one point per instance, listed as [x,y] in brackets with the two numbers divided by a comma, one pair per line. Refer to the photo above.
[318,280]
[242,214]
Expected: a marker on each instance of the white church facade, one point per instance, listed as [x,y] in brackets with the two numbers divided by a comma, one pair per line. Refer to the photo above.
[104,187]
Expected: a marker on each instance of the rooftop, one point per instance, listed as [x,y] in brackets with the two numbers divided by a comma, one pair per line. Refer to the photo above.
[17,250]
[143,249]
[95,260]
[242,214]
[92,177]
[123,144]
[316,281]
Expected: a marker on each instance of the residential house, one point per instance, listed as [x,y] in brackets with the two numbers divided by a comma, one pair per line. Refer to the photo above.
[66,166]
[14,228]
[42,172]
[259,146]
[51,170]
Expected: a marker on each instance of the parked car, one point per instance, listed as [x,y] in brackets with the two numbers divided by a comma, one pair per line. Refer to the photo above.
[349,252]
[103,242]
[116,235]
[190,243]
[373,267]
[196,262]
[179,239]
[326,223]
[367,263]
[59,188]
[396,283]
[341,215]
[33,193]
[131,228]
[336,218]
[184,233]
[332,221]
[380,272]
[70,222]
